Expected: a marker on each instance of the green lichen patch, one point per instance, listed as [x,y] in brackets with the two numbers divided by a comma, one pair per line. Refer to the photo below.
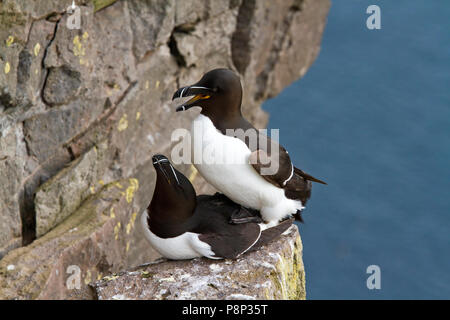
[146,274]
[100,4]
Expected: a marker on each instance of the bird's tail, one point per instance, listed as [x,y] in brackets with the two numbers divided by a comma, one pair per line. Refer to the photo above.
[298,216]
[272,233]
[307,176]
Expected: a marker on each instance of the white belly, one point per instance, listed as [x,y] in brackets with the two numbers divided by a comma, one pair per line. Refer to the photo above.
[224,162]
[185,246]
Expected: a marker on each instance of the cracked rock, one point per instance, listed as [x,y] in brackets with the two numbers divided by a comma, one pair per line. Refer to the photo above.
[61,86]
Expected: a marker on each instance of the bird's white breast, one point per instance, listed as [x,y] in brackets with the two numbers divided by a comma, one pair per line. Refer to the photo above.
[230,171]
[185,246]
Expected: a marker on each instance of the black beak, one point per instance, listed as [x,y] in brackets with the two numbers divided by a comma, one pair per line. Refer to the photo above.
[157,160]
[163,164]
[199,93]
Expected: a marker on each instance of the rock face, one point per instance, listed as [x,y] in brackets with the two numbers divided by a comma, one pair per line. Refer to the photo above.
[95,240]
[274,272]
[81,109]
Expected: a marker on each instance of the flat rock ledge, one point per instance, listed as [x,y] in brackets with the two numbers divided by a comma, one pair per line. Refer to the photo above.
[275,271]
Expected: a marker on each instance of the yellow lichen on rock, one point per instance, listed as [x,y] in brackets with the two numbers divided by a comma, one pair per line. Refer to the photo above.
[130,225]
[123,123]
[289,277]
[9,41]
[88,277]
[134,185]
[116,230]
[37,48]
[7,67]
[117,185]
[109,278]
[78,48]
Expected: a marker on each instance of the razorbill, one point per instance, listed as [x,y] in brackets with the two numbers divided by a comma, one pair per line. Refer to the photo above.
[276,195]
[180,225]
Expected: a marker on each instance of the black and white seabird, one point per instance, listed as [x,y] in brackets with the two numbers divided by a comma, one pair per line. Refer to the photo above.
[276,196]
[180,225]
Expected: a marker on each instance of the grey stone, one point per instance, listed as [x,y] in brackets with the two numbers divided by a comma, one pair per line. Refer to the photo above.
[275,271]
[94,241]
[61,195]
[12,149]
[210,33]
[47,132]
[190,12]
[152,24]
[61,86]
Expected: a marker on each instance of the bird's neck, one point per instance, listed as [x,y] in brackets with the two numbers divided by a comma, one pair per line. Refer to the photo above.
[224,120]
[167,222]
[168,211]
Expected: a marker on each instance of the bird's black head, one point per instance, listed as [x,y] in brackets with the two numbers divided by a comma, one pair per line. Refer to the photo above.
[174,193]
[218,93]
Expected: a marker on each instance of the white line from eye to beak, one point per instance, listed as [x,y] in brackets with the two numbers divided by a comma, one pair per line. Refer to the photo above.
[166,160]
[176,178]
[194,87]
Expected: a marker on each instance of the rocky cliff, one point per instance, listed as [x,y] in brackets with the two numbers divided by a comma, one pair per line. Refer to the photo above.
[82,111]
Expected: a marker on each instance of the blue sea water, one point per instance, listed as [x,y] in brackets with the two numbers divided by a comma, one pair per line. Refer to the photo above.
[372,118]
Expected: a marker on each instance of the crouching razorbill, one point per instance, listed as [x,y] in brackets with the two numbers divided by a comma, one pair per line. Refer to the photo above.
[276,195]
[180,225]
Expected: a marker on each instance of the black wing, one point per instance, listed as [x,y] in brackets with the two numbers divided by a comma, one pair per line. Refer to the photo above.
[225,239]
[233,241]
[283,169]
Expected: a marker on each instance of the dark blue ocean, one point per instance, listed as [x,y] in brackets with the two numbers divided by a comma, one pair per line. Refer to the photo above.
[372,118]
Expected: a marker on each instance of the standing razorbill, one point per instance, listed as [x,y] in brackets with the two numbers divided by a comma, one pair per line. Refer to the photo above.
[278,195]
[180,225]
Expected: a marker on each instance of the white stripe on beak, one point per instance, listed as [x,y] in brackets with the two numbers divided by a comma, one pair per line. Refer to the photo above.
[162,160]
[182,91]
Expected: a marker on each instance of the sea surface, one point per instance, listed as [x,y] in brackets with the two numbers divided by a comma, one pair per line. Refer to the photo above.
[372,118]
